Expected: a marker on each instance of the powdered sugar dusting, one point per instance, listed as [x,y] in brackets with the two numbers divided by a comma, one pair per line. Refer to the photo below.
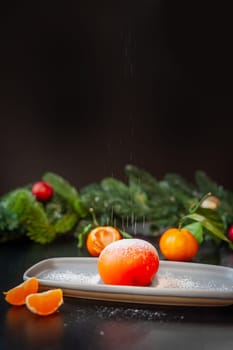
[172,281]
[131,247]
[70,276]
[166,280]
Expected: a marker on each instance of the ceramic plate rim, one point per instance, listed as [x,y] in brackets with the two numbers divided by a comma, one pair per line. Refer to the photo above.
[135,291]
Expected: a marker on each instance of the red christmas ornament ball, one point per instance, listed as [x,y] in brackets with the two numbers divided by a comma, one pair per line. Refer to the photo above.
[42,190]
[230,233]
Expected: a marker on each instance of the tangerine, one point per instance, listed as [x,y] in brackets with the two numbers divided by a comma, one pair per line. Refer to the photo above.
[178,244]
[129,261]
[45,303]
[17,295]
[100,237]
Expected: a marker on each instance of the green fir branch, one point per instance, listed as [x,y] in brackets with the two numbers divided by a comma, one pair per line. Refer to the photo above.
[141,199]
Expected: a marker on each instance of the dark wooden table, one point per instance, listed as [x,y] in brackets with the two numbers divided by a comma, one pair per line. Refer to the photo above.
[85,324]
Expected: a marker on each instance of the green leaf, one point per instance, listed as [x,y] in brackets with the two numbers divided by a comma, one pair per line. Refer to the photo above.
[211,221]
[139,197]
[68,192]
[161,223]
[178,183]
[196,229]
[8,219]
[110,184]
[206,184]
[66,223]
[40,231]
[9,225]
[95,198]
[125,234]
[181,191]
[145,180]
[81,234]
[31,216]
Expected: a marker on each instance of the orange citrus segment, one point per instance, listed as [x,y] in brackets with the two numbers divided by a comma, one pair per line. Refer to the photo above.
[45,303]
[17,295]
[100,237]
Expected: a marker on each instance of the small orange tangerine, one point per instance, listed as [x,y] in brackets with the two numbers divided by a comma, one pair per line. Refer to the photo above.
[129,261]
[17,295]
[178,245]
[100,237]
[45,303]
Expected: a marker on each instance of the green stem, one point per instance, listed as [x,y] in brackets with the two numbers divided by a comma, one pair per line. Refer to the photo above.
[196,206]
[193,209]
[180,223]
[93,217]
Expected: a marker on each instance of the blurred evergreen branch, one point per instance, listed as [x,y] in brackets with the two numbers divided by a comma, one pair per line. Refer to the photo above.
[143,199]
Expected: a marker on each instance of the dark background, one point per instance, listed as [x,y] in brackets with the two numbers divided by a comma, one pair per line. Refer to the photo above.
[88,86]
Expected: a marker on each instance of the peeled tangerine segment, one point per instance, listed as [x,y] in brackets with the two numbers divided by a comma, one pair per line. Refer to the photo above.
[17,295]
[45,303]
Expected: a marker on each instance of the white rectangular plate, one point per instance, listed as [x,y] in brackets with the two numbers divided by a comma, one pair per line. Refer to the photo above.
[176,283]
